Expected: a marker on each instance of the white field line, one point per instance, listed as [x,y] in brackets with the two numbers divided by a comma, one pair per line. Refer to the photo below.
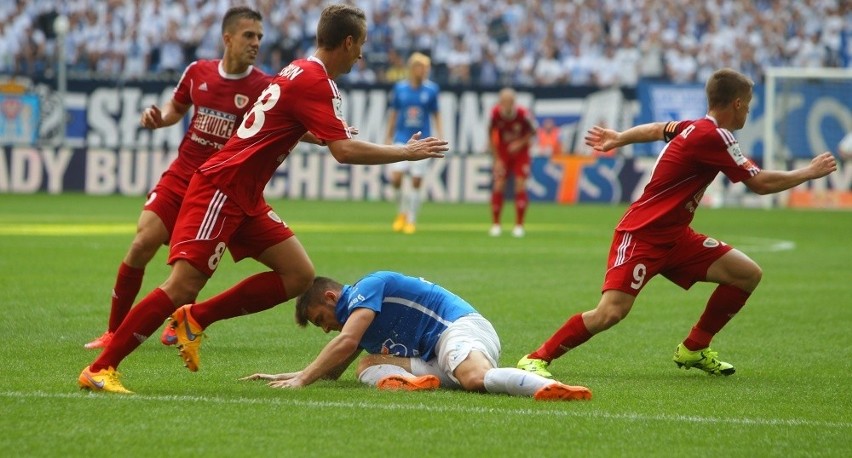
[629,417]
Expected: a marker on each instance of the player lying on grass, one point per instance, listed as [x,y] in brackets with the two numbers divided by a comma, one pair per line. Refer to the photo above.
[419,336]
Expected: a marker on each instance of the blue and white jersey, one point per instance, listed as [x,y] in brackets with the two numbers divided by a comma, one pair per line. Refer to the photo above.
[414,106]
[411,313]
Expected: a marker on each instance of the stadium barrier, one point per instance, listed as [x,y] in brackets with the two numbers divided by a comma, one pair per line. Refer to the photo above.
[103,150]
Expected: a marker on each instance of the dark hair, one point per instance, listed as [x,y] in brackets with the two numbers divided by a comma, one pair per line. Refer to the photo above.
[313,295]
[338,22]
[725,86]
[235,14]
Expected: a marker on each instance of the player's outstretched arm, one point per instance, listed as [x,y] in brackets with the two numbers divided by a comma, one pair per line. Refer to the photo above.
[772,181]
[340,350]
[309,137]
[351,151]
[603,139]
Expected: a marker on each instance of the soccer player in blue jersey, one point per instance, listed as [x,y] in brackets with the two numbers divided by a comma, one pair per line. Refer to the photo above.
[418,336]
[412,103]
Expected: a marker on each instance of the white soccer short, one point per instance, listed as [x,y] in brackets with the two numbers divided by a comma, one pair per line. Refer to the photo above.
[414,168]
[468,333]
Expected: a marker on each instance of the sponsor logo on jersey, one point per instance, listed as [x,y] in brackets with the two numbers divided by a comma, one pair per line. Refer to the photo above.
[241,100]
[214,122]
[203,87]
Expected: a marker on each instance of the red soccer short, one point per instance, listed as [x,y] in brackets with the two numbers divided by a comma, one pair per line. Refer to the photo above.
[209,222]
[166,198]
[517,164]
[633,261]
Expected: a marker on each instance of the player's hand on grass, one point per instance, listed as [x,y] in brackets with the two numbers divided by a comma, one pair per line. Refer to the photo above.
[273,377]
[417,148]
[294,382]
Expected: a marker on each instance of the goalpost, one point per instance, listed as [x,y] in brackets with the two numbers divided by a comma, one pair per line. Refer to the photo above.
[808,111]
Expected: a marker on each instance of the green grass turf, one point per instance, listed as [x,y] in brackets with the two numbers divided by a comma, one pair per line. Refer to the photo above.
[791,344]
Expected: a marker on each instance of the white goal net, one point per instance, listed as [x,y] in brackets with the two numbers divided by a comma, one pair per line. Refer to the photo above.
[808,111]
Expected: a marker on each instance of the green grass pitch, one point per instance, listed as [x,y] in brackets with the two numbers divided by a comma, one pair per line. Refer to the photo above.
[791,344]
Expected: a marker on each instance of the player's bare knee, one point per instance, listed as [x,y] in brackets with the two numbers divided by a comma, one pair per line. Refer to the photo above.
[604,317]
[142,250]
[472,380]
[755,276]
[749,277]
[299,281]
[180,294]
[612,316]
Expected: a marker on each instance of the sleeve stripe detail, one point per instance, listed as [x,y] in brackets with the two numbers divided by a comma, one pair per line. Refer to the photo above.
[727,136]
[334,91]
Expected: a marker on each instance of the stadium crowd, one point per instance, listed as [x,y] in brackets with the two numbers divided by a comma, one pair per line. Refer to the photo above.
[483,42]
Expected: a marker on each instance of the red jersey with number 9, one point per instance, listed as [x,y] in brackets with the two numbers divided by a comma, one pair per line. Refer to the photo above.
[299,99]
[696,152]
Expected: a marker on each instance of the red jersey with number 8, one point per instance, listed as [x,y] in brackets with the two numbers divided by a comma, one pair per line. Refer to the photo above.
[299,99]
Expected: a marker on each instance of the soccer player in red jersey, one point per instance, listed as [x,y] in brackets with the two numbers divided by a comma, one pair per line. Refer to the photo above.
[511,129]
[224,206]
[654,235]
[222,90]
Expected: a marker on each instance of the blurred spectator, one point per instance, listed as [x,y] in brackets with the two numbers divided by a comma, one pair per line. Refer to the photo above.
[480,41]
[548,70]
[459,62]
[605,72]
[172,59]
[396,70]
[489,71]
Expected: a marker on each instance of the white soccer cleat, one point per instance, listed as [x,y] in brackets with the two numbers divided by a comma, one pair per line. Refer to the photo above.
[518,231]
[495,231]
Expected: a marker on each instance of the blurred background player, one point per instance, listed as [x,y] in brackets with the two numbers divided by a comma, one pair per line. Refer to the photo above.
[225,210]
[222,90]
[655,237]
[412,103]
[511,130]
[419,336]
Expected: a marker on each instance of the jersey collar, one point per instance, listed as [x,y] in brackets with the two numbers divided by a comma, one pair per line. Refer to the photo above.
[314,59]
[233,76]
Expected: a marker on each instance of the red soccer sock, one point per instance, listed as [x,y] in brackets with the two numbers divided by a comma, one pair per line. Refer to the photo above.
[254,294]
[127,285]
[572,334]
[140,323]
[521,201]
[723,304]
[496,206]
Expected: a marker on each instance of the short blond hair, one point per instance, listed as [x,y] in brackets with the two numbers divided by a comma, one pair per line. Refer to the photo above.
[419,58]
